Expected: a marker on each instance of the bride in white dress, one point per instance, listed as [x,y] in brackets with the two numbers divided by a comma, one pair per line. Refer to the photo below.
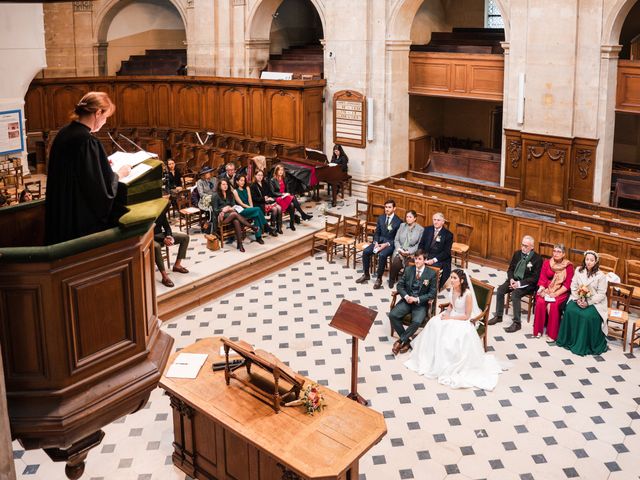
[449,348]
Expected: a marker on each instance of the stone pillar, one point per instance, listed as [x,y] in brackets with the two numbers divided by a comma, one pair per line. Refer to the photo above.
[59,39]
[606,123]
[505,109]
[100,58]
[202,20]
[396,112]
[83,37]
[7,469]
[256,56]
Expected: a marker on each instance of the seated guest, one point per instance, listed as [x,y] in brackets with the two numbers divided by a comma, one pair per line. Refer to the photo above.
[436,243]
[3,201]
[406,243]
[263,197]
[383,243]
[288,202]
[449,348]
[416,287]
[25,196]
[522,279]
[174,176]
[554,287]
[229,174]
[339,157]
[242,196]
[206,186]
[223,208]
[583,326]
[162,235]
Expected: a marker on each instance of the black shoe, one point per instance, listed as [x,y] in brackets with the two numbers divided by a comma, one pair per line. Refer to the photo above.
[260,241]
[377,284]
[292,227]
[296,218]
[363,279]
[307,216]
[273,232]
[514,327]
[495,320]
[391,284]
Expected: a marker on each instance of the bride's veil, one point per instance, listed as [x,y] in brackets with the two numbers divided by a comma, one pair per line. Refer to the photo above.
[475,309]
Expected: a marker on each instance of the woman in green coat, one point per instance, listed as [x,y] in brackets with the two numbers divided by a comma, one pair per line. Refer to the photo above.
[242,195]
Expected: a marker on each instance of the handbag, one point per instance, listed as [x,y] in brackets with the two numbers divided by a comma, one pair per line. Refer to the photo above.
[213,242]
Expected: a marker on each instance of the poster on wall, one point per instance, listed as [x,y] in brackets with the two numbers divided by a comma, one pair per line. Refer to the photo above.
[11,132]
[349,119]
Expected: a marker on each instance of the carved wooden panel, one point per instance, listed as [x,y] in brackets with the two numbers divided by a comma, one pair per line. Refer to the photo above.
[95,330]
[135,105]
[526,227]
[283,115]
[149,305]
[584,240]
[23,354]
[553,233]
[163,102]
[206,441]
[478,76]
[478,220]
[546,166]
[500,240]
[187,106]
[35,109]
[236,452]
[62,102]
[313,114]
[211,108]
[513,158]
[256,113]
[583,165]
[628,88]
[234,110]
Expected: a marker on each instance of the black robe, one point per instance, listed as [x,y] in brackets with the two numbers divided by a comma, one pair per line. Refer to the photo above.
[81,187]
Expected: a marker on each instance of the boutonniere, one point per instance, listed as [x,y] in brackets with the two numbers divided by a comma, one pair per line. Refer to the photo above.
[426,283]
[389,227]
[529,265]
[438,238]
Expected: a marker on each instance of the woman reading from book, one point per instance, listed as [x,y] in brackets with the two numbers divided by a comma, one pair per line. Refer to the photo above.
[81,186]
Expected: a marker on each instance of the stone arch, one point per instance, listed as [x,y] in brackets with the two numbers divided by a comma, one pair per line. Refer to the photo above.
[404,11]
[612,26]
[261,16]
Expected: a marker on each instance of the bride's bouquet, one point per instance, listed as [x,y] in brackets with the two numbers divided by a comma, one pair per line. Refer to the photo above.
[584,292]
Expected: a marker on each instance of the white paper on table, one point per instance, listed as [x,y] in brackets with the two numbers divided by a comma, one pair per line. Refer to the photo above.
[119,159]
[231,352]
[136,172]
[331,164]
[615,313]
[186,365]
[547,298]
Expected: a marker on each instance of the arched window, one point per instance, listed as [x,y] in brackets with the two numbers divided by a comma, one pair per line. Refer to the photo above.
[494,19]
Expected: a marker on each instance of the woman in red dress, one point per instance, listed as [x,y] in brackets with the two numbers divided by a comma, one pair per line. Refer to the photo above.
[288,202]
[554,287]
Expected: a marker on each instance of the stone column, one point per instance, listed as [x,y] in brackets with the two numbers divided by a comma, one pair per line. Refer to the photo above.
[202,20]
[100,58]
[396,112]
[505,109]
[59,39]
[606,123]
[256,56]
[83,38]
[7,469]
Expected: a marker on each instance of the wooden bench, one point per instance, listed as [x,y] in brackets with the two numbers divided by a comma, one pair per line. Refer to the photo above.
[479,168]
[596,222]
[605,212]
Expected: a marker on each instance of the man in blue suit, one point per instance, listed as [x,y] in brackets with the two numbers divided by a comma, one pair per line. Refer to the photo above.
[386,229]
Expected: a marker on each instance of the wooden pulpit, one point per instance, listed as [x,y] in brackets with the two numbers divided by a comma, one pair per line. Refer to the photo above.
[80,336]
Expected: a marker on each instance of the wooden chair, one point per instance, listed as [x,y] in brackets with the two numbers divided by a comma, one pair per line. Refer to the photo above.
[608,263]
[460,248]
[323,240]
[431,310]
[35,189]
[226,230]
[187,214]
[166,257]
[484,293]
[363,209]
[351,234]
[618,302]
[530,300]
[632,278]
[543,248]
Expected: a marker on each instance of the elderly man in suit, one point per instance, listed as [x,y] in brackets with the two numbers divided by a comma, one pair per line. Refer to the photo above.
[229,174]
[522,280]
[436,243]
[416,287]
[383,243]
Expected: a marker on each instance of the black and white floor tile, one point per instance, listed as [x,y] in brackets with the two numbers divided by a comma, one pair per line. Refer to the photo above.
[553,415]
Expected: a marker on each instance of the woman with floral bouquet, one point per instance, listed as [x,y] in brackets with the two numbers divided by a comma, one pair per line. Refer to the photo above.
[583,326]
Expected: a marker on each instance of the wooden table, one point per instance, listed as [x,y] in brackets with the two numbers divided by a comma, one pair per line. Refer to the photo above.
[225,432]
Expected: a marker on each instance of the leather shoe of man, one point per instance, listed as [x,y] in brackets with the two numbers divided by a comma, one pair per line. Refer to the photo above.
[377,284]
[167,282]
[405,347]
[514,327]
[495,320]
[363,279]
[396,347]
[180,269]
[391,284]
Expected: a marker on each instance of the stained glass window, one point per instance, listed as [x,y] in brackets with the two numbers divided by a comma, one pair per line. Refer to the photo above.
[494,19]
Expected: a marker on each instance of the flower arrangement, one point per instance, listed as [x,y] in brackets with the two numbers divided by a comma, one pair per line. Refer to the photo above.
[584,292]
[312,399]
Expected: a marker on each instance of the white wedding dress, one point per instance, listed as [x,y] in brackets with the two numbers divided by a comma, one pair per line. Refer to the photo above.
[452,352]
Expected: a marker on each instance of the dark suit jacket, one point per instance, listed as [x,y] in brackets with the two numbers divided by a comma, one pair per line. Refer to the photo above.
[442,249]
[382,233]
[224,176]
[531,274]
[258,192]
[275,187]
[426,292]
[162,228]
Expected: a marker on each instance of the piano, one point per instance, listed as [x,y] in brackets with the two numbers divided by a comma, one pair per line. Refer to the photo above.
[321,171]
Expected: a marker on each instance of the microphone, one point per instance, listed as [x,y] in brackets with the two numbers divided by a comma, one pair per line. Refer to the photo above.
[199,139]
[116,143]
[132,142]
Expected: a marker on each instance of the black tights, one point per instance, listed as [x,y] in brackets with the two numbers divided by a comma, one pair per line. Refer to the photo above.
[293,206]
[237,220]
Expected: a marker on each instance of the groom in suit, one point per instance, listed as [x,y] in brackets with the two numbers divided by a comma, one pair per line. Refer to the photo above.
[416,287]
[436,243]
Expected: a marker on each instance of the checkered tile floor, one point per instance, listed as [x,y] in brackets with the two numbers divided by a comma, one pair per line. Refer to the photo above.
[553,415]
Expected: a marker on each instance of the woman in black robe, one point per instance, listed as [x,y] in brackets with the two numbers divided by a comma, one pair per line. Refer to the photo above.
[81,186]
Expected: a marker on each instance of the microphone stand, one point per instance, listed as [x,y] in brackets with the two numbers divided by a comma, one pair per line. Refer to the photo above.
[116,143]
[132,142]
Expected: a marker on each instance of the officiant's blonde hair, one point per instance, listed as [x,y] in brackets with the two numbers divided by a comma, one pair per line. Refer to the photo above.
[91,103]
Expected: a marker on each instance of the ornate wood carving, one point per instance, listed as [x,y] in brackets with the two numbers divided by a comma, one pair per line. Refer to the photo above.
[515,152]
[583,161]
[554,154]
[181,407]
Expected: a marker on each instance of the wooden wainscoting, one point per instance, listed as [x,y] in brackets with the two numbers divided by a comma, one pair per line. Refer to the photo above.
[475,76]
[287,112]
[628,90]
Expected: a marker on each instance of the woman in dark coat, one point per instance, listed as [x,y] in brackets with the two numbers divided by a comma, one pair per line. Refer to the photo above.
[263,197]
[81,186]
[223,203]
[339,157]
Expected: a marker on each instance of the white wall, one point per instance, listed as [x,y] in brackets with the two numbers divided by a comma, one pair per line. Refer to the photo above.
[143,16]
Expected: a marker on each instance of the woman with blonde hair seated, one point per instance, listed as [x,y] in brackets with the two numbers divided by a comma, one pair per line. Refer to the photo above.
[243,198]
[554,287]
[584,324]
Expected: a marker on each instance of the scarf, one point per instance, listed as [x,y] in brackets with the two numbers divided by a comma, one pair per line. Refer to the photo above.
[518,272]
[559,274]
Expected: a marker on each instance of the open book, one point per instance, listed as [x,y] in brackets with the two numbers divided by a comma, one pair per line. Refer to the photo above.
[119,159]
